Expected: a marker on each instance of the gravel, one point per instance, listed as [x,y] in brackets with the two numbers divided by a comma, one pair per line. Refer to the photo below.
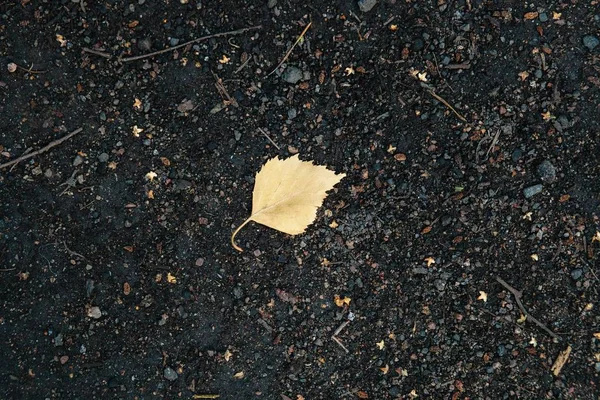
[546,171]
[366,5]
[532,190]
[591,42]
[170,374]
[292,75]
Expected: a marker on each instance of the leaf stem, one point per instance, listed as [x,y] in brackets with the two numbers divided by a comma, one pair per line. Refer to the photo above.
[235,246]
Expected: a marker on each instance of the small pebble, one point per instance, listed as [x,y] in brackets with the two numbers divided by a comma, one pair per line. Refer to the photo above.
[366,5]
[440,284]
[543,17]
[532,190]
[170,374]
[94,312]
[501,350]
[577,273]
[292,75]
[591,42]
[103,157]
[77,161]
[517,154]
[418,44]
[546,171]
[144,44]
[271,3]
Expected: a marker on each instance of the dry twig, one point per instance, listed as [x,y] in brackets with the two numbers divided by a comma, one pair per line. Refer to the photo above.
[42,150]
[201,39]
[268,137]
[291,48]
[518,295]
[437,97]
[156,53]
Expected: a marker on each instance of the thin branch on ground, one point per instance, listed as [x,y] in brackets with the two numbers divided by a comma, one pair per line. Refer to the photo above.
[42,150]
[437,97]
[518,295]
[30,70]
[201,39]
[284,59]
[97,53]
[268,137]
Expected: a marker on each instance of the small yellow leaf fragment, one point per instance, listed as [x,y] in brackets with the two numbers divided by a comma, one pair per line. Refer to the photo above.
[171,278]
[533,341]
[413,394]
[556,15]
[527,216]
[522,319]
[380,345]
[596,237]
[523,75]
[482,296]
[385,369]
[349,71]
[546,116]
[136,131]
[227,355]
[341,301]
[393,28]
[150,194]
[325,262]
[535,257]
[333,224]
[430,261]
[61,40]
[150,176]
[560,361]
[112,165]
[224,59]
[597,335]
[391,149]
[588,307]
[137,104]
[239,375]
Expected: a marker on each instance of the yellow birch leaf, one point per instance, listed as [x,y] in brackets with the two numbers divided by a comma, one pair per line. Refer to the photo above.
[287,194]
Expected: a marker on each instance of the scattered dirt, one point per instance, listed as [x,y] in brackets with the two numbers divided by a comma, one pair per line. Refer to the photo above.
[469,134]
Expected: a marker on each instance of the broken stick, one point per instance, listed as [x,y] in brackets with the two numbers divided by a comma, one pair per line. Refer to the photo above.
[42,150]
[518,295]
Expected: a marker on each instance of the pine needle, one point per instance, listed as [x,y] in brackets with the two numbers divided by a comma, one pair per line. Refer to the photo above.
[291,48]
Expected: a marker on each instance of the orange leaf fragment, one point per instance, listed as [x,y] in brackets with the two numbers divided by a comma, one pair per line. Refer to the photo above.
[531,15]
